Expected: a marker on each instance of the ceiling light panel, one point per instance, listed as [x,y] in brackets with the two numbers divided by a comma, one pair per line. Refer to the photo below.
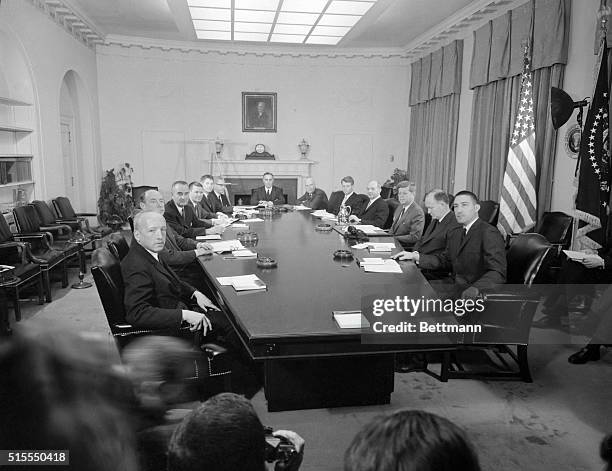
[306,6]
[210,3]
[239,36]
[292,29]
[339,20]
[212,25]
[332,40]
[254,16]
[297,18]
[270,5]
[331,30]
[210,14]
[349,8]
[252,27]
[220,35]
[287,38]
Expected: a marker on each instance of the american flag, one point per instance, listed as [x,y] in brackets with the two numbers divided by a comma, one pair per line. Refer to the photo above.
[592,199]
[517,208]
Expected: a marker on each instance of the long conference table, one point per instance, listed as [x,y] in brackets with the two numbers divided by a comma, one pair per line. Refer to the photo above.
[309,362]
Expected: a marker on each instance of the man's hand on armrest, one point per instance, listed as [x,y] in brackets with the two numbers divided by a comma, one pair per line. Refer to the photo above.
[197,321]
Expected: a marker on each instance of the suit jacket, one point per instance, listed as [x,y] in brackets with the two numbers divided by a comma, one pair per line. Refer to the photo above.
[316,200]
[208,207]
[376,214]
[356,202]
[222,203]
[479,260]
[434,238]
[178,251]
[276,195]
[154,296]
[187,224]
[408,228]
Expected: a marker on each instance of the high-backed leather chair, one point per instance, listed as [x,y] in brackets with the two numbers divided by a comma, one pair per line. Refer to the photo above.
[106,271]
[27,219]
[18,254]
[117,245]
[64,209]
[489,211]
[507,317]
[139,190]
[393,205]
[556,227]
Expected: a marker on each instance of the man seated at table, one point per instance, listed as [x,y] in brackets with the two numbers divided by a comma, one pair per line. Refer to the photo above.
[376,210]
[225,434]
[181,216]
[222,203]
[196,196]
[409,219]
[179,253]
[314,197]
[209,205]
[346,197]
[268,194]
[434,239]
[475,252]
[155,298]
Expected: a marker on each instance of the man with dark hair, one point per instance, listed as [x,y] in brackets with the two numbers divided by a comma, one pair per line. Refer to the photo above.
[376,210]
[434,239]
[181,216]
[225,434]
[196,198]
[268,194]
[409,219]
[222,203]
[209,204]
[475,252]
[346,197]
[411,440]
[314,197]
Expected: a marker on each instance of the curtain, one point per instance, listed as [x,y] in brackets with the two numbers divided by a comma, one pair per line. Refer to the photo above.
[493,114]
[433,139]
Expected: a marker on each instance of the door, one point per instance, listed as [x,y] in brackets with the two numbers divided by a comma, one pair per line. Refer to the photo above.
[68,155]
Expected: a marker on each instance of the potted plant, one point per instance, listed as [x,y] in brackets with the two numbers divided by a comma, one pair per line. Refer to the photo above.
[389,188]
[115,204]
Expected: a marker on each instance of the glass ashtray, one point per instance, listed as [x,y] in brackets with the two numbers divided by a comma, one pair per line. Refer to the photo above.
[266,262]
[343,254]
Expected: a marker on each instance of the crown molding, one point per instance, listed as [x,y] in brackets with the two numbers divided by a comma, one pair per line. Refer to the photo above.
[69,17]
[458,25]
[215,48]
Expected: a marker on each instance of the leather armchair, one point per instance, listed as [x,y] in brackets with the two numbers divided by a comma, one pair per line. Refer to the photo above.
[393,205]
[27,219]
[489,211]
[64,209]
[117,245]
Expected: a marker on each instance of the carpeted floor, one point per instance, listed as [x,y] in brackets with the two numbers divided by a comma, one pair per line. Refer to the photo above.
[555,423]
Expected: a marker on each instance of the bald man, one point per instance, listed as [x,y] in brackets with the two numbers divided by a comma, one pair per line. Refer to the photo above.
[314,197]
[376,211]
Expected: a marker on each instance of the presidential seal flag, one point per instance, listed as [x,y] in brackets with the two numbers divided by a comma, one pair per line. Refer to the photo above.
[593,196]
[517,207]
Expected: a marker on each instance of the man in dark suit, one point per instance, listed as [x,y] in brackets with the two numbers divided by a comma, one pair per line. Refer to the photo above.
[376,211]
[475,252]
[181,215]
[196,196]
[409,219]
[222,203]
[346,197]
[434,239]
[155,298]
[268,194]
[179,252]
[314,197]
[209,203]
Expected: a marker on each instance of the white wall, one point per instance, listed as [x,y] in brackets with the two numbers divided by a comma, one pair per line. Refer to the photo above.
[51,52]
[176,98]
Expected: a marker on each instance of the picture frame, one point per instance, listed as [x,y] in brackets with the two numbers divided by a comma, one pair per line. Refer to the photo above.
[258,112]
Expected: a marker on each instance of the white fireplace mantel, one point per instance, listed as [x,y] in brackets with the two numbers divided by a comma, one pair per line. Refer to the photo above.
[299,169]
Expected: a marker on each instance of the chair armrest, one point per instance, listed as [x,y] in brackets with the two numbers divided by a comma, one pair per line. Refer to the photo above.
[58,227]
[87,214]
[44,237]
[22,248]
[127,330]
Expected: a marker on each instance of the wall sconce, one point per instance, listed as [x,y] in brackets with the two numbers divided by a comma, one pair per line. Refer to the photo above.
[218,147]
[304,147]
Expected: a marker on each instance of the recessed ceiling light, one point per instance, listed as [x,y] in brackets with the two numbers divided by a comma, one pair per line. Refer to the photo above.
[333,40]
[338,20]
[254,16]
[212,25]
[287,38]
[222,35]
[292,29]
[270,5]
[239,36]
[297,18]
[308,6]
[210,14]
[210,3]
[330,30]
[349,8]
[252,27]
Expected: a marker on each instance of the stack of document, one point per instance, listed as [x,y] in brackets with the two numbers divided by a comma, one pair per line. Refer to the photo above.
[242,282]
[381,246]
[574,255]
[252,220]
[209,237]
[301,207]
[226,245]
[350,319]
[246,253]
[371,261]
[322,214]
[386,266]
[239,225]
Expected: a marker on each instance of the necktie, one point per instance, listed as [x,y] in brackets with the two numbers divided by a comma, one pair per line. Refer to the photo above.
[268,191]
[463,235]
[432,226]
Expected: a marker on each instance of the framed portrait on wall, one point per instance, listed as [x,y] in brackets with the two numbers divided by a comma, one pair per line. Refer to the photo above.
[258,112]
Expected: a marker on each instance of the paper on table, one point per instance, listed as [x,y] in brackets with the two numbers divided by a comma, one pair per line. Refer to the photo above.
[244,284]
[360,246]
[350,319]
[390,266]
[381,246]
[372,261]
[209,237]
[243,253]
[574,255]
[301,207]
[228,280]
[252,220]
[239,226]
[226,245]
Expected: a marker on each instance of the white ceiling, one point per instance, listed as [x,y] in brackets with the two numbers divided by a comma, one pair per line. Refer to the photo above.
[390,23]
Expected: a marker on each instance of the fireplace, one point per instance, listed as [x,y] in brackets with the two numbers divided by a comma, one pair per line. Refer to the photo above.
[240,189]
